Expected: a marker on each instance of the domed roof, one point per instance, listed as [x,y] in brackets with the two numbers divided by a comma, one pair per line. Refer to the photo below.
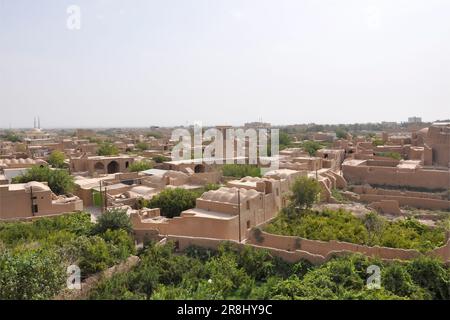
[228,195]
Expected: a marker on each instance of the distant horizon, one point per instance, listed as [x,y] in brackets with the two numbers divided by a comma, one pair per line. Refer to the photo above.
[213,125]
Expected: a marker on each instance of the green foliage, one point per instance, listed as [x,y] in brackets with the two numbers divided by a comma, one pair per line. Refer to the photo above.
[393,155]
[249,273]
[338,195]
[284,140]
[107,149]
[11,136]
[173,201]
[370,230]
[142,146]
[56,159]
[138,166]
[59,180]
[32,274]
[377,142]
[113,219]
[154,134]
[341,133]
[305,192]
[311,147]
[34,255]
[241,170]
[160,159]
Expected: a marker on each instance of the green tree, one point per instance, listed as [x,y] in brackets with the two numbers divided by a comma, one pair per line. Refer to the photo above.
[160,159]
[12,137]
[305,192]
[138,166]
[142,146]
[341,133]
[30,274]
[113,219]
[107,149]
[284,140]
[241,170]
[173,201]
[311,147]
[56,159]
[59,180]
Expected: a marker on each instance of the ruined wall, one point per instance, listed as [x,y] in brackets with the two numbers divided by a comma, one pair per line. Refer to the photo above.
[392,176]
[421,203]
[328,248]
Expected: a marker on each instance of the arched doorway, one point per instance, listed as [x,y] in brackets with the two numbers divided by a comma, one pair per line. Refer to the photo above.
[99,167]
[113,167]
[199,168]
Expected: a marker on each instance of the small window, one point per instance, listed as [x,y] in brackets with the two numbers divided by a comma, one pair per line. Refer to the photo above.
[127,164]
[248,224]
[35,208]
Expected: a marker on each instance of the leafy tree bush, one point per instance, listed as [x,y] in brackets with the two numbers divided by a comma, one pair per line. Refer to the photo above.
[377,142]
[142,146]
[59,180]
[173,201]
[113,219]
[241,170]
[305,192]
[11,136]
[107,149]
[138,166]
[56,159]
[341,133]
[160,159]
[284,140]
[95,255]
[370,230]
[30,274]
[311,147]
[393,155]
[255,274]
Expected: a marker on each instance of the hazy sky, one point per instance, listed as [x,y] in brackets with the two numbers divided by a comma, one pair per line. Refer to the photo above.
[169,62]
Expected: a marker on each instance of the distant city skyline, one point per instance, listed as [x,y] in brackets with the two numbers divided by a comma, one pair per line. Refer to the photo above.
[163,63]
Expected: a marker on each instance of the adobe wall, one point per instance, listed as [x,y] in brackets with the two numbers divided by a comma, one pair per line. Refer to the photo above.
[328,248]
[213,244]
[191,226]
[392,176]
[421,203]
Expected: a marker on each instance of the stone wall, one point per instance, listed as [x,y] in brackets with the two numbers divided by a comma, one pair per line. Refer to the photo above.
[328,248]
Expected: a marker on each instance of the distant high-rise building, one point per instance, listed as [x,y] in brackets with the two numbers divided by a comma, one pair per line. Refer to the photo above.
[415,120]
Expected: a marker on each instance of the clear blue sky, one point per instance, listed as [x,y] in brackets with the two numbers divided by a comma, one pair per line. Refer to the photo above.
[169,62]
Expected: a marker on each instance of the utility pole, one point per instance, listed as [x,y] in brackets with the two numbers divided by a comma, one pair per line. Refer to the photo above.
[32,200]
[101,196]
[239,212]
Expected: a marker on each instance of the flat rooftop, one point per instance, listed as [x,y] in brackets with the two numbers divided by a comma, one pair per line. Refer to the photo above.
[208,214]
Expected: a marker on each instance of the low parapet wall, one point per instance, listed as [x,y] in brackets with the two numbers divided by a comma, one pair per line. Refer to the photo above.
[327,248]
[421,203]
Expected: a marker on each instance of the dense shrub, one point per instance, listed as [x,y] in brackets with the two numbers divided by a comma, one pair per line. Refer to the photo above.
[173,201]
[229,273]
[138,166]
[30,274]
[59,181]
[107,149]
[56,159]
[371,230]
[304,192]
[113,219]
[241,170]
